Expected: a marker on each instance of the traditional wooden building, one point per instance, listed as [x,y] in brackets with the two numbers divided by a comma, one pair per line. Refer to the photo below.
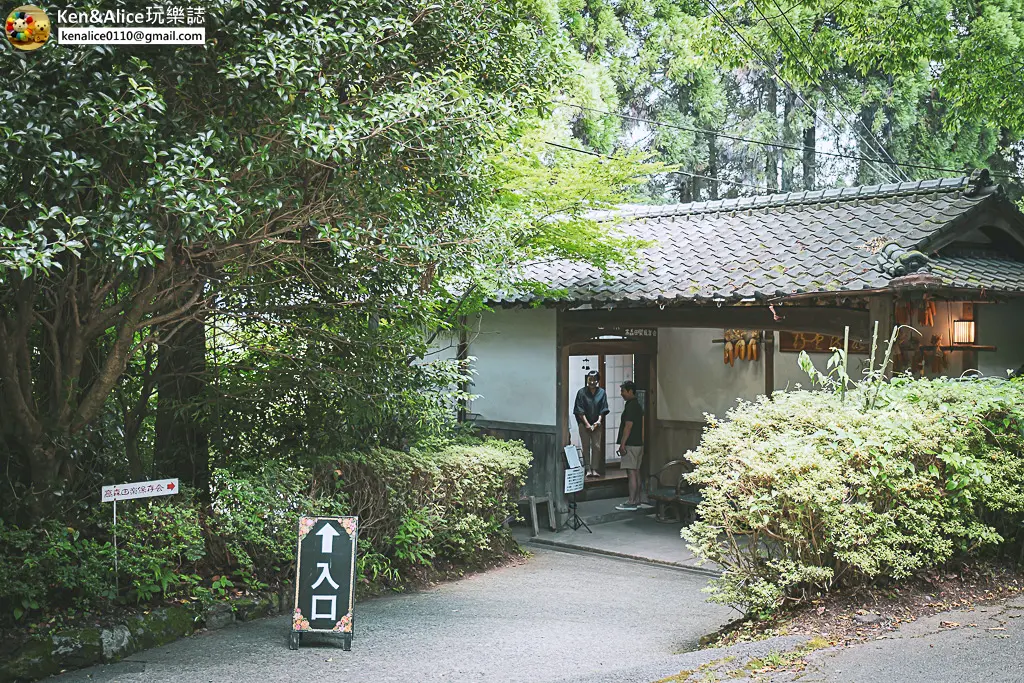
[788,271]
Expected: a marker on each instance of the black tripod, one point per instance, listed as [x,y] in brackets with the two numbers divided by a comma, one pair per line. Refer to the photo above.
[575,522]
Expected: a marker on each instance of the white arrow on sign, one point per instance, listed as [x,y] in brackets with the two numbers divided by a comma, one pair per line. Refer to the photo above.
[327,534]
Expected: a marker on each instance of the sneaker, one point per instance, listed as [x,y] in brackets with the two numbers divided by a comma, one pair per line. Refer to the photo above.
[646,506]
[627,506]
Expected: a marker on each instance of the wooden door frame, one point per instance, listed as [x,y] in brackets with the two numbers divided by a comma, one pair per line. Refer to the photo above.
[648,347]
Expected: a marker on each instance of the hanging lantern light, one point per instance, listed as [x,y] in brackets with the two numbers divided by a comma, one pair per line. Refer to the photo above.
[964,331]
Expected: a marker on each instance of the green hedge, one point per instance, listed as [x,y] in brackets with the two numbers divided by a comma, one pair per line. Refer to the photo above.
[808,492]
[416,510]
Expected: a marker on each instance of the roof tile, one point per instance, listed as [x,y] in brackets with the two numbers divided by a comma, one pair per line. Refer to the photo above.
[780,244]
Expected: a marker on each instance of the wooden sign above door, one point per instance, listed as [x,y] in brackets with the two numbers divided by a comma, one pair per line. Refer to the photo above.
[795,342]
[628,332]
[610,333]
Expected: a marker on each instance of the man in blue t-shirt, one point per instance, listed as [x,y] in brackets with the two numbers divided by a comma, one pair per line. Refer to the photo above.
[590,408]
[631,443]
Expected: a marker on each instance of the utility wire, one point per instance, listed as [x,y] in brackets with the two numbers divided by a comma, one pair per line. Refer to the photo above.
[882,170]
[739,138]
[686,173]
[765,63]
[824,74]
[779,145]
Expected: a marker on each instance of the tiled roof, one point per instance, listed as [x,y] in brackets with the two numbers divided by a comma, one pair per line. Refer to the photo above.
[757,248]
[976,273]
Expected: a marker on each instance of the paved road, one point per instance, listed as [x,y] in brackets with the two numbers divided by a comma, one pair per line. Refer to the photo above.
[987,645]
[556,617]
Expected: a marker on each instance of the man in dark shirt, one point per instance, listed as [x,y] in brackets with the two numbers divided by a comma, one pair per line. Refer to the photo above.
[590,408]
[631,443]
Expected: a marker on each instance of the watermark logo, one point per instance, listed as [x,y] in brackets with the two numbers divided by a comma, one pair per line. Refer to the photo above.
[27,27]
[154,25]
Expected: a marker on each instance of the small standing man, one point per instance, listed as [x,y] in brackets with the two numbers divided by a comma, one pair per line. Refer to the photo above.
[590,408]
[631,443]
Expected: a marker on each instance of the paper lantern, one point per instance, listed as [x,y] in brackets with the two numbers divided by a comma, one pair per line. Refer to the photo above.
[963,331]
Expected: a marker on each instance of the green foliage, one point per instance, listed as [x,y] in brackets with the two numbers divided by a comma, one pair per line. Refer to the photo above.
[158,541]
[255,516]
[52,566]
[933,83]
[312,185]
[416,509]
[808,492]
[447,505]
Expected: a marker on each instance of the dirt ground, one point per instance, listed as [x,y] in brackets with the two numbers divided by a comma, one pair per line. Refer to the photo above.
[852,617]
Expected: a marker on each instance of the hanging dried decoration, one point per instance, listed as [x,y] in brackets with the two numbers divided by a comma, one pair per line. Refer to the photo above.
[740,345]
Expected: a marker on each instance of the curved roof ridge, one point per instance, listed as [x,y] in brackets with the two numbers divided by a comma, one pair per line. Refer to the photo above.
[779,199]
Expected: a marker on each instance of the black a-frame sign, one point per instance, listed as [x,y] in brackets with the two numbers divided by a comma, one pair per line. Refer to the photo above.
[325,578]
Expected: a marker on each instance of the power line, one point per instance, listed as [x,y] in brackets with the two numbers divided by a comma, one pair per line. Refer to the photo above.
[780,145]
[686,173]
[824,74]
[732,136]
[764,62]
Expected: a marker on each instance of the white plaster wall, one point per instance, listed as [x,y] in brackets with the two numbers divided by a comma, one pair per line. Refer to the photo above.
[515,364]
[1000,325]
[444,347]
[692,379]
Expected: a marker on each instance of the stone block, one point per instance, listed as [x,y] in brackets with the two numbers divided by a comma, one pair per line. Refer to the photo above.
[218,616]
[117,642]
[247,609]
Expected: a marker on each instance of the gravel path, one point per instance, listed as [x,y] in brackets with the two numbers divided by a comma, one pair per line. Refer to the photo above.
[555,617]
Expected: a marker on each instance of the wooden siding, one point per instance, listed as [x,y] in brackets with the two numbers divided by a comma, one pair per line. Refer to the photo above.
[546,473]
[672,438]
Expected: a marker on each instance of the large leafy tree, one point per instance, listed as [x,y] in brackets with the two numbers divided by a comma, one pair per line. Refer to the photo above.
[826,84]
[328,155]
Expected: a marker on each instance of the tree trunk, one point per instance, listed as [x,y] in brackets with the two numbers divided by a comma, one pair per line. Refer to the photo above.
[810,168]
[771,165]
[713,166]
[135,415]
[181,449]
[865,172]
[788,138]
[685,188]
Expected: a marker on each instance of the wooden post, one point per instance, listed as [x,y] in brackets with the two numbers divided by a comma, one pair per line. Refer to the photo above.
[769,361]
[461,355]
[556,469]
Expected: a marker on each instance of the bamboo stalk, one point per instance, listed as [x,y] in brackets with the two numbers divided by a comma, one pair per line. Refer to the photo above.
[885,364]
[846,364]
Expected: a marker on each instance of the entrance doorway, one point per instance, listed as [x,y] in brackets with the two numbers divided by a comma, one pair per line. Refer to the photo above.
[614,369]
[618,355]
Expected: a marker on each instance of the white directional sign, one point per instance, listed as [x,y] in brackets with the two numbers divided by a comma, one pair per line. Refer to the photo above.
[327,535]
[140,489]
[572,456]
[574,480]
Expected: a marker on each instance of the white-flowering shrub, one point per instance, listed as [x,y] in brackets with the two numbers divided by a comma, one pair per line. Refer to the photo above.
[808,491]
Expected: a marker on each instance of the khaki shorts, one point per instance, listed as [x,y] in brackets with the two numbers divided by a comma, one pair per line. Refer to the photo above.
[631,460]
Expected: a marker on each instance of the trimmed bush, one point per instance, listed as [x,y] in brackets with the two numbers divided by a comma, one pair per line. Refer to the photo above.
[416,509]
[418,506]
[808,492]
